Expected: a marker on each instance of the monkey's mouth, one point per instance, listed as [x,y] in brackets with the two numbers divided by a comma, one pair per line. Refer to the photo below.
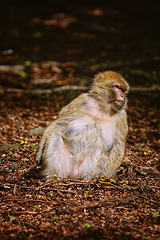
[119,102]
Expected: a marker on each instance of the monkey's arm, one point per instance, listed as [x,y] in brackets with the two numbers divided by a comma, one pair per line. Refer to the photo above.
[117,152]
[67,114]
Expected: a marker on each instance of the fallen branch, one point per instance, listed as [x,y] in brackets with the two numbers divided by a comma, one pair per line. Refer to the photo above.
[42,91]
[94,204]
[69,88]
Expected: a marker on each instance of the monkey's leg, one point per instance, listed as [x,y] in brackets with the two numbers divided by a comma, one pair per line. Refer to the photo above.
[57,159]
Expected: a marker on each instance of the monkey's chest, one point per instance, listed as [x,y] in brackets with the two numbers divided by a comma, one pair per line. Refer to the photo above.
[84,134]
[107,135]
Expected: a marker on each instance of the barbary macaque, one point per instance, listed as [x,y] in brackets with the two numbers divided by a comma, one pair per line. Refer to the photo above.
[89,135]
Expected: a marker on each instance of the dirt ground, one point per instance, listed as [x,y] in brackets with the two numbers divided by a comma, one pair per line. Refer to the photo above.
[46,49]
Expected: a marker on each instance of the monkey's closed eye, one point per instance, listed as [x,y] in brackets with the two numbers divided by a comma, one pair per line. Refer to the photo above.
[119,87]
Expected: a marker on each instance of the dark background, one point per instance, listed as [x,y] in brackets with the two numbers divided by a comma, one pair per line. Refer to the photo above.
[119,31]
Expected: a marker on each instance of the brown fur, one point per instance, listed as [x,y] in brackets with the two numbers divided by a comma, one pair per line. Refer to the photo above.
[89,135]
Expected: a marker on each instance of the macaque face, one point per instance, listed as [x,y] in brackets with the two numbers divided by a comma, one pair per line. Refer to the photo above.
[112,90]
[120,95]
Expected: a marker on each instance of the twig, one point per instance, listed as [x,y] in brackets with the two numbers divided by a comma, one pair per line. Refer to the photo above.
[93,205]
[56,189]
[29,224]
[136,156]
[143,171]
[153,155]
[60,182]
[27,200]
[43,189]
[109,183]
[150,186]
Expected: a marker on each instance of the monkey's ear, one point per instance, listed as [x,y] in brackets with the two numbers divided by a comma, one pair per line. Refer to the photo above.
[98,78]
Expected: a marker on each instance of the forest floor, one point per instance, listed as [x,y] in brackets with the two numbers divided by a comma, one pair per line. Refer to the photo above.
[42,57]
